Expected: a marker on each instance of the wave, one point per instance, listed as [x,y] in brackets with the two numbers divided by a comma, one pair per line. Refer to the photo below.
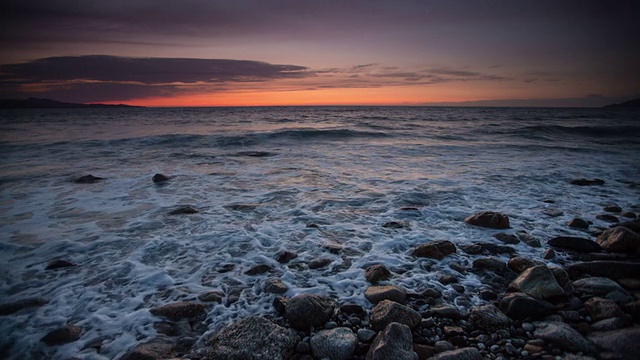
[559,132]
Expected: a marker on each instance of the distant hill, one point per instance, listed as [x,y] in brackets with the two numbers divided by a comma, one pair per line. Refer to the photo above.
[631,104]
[34,103]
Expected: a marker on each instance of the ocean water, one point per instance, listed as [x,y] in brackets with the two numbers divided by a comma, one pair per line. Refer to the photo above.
[305,179]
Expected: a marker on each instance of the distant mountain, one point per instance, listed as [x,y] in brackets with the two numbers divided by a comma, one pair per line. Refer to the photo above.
[34,103]
[631,104]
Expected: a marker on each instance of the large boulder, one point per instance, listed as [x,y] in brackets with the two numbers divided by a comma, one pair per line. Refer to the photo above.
[394,342]
[489,318]
[575,244]
[387,312]
[624,343]
[377,293]
[468,353]
[306,310]
[538,282]
[179,310]
[335,344]
[520,306]
[601,309]
[597,286]
[563,336]
[620,239]
[488,219]
[435,249]
[609,269]
[252,338]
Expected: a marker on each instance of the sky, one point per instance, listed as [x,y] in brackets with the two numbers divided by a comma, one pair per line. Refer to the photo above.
[321,52]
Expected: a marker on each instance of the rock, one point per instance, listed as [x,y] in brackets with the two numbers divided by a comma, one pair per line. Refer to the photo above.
[57,264]
[352,309]
[435,249]
[184,210]
[631,225]
[319,263]
[609,269]
[285,256]
[88,179]
[431,293]
[608,218]
[520,306]
[587,182]
[551,212]
[376,273]
[468,353]
[274,286]
[179,310]
[563,280]
[365,335]
[306,310]
[519,264]
[629,215]
[446,279]
[489,318]
[538,282]
[575,244]
[211,296]
[159,178]
[562,336]
[601,309]
[446,311]
[386,312]
[424,352]
[624,343]
[394,342]
[375,294]
[156,349]
[335,344]
[396,225]
[612,208]
[258,269]
[245,208]
[472,249]
[620,239]
[62,335]
[549,254]
[13,307]
[490,263]
[578,223]
[252,338]
[442,346]
[488,219]
[609,324]
[528,239]
[507,238]
[596,286]
[279,304]
[632,308]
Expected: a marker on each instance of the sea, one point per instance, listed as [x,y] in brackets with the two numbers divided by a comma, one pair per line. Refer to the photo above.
[355,185]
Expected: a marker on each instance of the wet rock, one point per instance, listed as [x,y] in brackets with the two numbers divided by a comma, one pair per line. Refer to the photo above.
[352,309]
[551,212]
[285,256]
[245,208]
[612,208]
[596,286]
[435,249]
[386,312]
[507,238]
[179,310]
[258,269]
[520,306]
[631,225]
[608,218]
[458,267]
[279,304]
[365,335]
[211,296]
[13,307]
[159,178]
[252,338]
[489,318]
[442,346]
[184,210]
[376,273]
[58,264]
[601,309]
[445,311]
[578,223]
[319,263]
[490,263]
[274,286]
[575,244]
[624,343]
[225,268]
[528,239]
[549,254]
[632,308]
[538,282]
[629,215]
[62,335]
[375,294]
[587,182]
[468,353]
[620,239]
[396,225]
[156,349]
[335,344]
[424,352]
[431,293]
[609,324]
[472,249]
[87,179]
[563,280]
[447,279]
[394,342]
[306,310]
[488,219]
[608,269]
[519,264]
[562,336]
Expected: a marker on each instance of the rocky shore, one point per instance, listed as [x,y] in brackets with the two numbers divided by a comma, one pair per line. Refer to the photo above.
[587,308]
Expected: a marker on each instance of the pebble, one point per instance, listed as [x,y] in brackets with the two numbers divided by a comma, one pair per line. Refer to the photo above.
[365,335]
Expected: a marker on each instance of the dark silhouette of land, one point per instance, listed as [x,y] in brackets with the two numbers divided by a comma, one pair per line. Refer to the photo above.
[631,104]
[34,103]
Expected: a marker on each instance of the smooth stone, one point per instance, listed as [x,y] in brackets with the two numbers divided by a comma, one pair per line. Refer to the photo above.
[629,215]
[394,342]
[607,218]
[396,225]
[519,264]
[435,249]
[13,307]
[431,293]
[601,309]
[258,269]
[441,346]
[574,243]
[538,282]
[211,296]
[598,286]
[610,269]
[609,324]
[365,335]
[520,306]
[252,338]
[285,256]
[58,264]
[587,182]
[377,293]
[551,212]
[377,273]
[62,335]
[279,304]
[87,179]
[179,310]
[353,309]
[489,318]
[624,343]
[274,286]
[488,219]
[424,352]
[468,353]
[631,225]
[578,223]
[549,254]
[159,178]
[528,239]
[490,263]
[612,208]
[446,311]
[184,210]
[335,344]
[319,263]
[447,279]
[159,348]
[620,239]
[306,310]
[562,336]
[563,280]
[507,238]
[386,312]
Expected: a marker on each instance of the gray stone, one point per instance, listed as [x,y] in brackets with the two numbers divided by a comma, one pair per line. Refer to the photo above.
[489,317]
[609,324]
[386,312]
[538,282]
[179,310]
[507,238]
[394,342]
[489,219]
[624,343]
[562,336]
[441,346]
[306,310]
[376,273]
[435,249]
[563,279]
[274,286]
[335,344]
[598,286]
[620,239]
[601,309]
[521,306]
[490,263]
[376,293]
[365,335]
[468,353]
[575,244]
